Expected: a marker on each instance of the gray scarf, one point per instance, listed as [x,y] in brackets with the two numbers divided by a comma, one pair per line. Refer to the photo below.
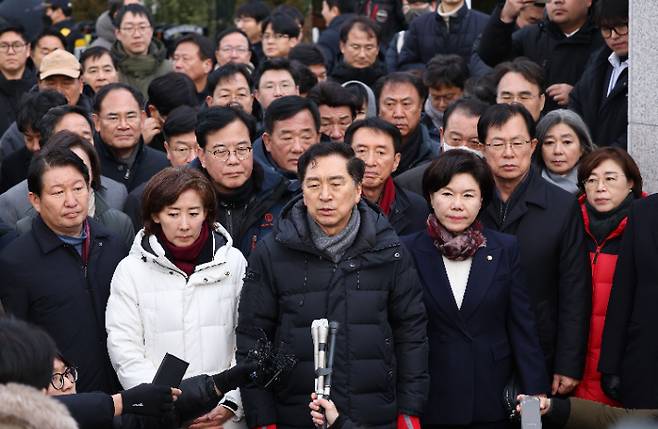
[568,182]
[336,245]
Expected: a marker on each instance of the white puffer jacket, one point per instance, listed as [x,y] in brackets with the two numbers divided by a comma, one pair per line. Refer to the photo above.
[154,308]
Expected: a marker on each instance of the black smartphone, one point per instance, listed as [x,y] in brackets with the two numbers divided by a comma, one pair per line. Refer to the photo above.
[171,371]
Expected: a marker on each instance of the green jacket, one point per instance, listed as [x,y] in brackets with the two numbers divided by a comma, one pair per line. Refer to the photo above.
[576,413]
[138,71]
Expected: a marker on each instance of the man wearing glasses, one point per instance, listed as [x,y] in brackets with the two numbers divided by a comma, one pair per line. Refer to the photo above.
[546,221]
[233,46]
[280,35]
[521,81]
[249,196]
[601,95]
[16,77]
[140,58]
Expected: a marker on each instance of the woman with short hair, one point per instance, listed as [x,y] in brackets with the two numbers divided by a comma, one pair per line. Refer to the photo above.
[563,140]
[177,291]
[481,325]
[610,181]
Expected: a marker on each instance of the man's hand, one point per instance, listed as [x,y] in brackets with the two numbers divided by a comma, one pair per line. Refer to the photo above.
[544,403]
[148,400]
[563,385]
[150,129]
[560,93]
[610,383]
[317,405]
[213,420]
[512,9]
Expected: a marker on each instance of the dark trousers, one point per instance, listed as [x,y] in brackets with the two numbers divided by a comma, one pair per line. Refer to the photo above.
[504,424]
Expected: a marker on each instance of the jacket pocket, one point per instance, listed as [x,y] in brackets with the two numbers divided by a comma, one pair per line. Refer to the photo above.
[501,350]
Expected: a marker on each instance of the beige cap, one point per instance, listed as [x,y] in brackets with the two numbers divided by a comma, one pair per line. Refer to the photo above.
[59,62]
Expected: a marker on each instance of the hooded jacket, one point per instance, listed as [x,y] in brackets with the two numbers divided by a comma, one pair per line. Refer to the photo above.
[155,308]
[373,292]
[24,407]
[104,31]
[140,70]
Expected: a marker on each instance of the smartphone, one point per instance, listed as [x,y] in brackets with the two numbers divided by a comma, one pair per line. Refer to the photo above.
[171,371]
[530,415]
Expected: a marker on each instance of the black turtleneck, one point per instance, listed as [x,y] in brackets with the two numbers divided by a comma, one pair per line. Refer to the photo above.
[601,224]
[409,150]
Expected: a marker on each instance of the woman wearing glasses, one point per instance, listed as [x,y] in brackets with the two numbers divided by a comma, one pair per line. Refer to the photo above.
[64,377]
[177,291]
[481,325]
[611,181]
[563,139]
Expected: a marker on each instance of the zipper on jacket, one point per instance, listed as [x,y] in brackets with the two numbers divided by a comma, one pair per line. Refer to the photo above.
[126,176]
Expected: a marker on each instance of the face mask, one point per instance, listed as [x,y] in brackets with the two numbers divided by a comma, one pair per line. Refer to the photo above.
[413,13]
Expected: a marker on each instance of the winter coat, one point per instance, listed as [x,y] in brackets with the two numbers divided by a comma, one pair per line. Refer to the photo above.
[562,58]
[343,72]
[380,364]
[329,41]
[547,222]
[629,348]
[14,204]
[139,71]
[577,413]
[427,149]
[46,282]
[24,407]
[603,259]
[605,116]
[155,308]
[114,220]
[409,212]
[14,168]
[11,92]
[428,36]
[147,162]
[474,349]
[412,179]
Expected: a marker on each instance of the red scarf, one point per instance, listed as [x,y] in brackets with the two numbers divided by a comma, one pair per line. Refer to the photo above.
[388,196]
[185,257]
[456,247]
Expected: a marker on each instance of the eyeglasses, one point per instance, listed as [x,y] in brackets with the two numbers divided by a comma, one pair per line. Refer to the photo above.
[609,181]
[114,119]
[223,154]
[236,49]
[499,145]
[57,379]
[143,28]
[16,46]
[621,30]
[181,151]
[277,36]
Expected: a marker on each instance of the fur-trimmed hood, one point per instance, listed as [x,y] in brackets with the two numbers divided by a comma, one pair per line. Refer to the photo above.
[25,407]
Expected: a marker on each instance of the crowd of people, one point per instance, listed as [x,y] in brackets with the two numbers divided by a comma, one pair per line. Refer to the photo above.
[451,187]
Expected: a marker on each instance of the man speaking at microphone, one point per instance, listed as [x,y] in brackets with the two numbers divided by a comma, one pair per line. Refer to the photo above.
[332,256]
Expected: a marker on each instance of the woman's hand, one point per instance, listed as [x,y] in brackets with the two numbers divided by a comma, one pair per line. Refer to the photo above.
[213,420]
[317,405]
[563,385]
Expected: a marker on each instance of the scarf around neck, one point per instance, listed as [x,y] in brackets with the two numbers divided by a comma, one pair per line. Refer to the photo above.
[185,258]
[456,247]
[568,182]
[601,224]
[388,197]
[335,245]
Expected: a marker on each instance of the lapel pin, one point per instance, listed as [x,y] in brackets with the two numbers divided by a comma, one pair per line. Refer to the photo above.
[489,258]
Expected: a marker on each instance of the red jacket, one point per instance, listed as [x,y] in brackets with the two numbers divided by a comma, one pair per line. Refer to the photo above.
[603,259]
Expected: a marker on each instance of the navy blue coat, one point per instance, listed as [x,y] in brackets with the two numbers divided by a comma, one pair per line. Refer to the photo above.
[329,41]
[428,36]
[45,282]
[473,350]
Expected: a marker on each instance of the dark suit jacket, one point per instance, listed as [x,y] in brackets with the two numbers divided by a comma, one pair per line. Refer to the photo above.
[473,350]
[45,282]
[630,340]
[548,224]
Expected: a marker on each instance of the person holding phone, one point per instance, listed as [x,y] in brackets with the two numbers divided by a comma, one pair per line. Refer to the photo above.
[177,291]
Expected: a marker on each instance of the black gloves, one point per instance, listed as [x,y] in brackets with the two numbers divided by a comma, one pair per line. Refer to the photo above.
[610,383]
[234,377]
[148,400]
